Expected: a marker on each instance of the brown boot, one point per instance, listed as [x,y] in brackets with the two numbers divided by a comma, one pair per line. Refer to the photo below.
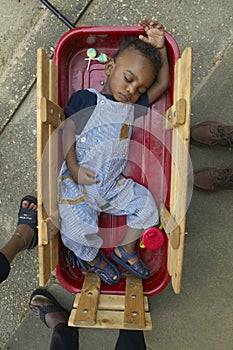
[212,134]
[214,179]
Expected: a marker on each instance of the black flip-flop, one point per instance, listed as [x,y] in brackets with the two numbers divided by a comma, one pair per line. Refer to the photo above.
[46,309]
[29,217]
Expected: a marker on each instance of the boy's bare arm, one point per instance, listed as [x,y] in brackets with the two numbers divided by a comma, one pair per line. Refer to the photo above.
[80,174]
[155,37]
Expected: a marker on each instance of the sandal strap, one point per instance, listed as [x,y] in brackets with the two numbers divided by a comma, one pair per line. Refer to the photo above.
[126,256]
[43,310]
[107,272]
[138,266]
[108,268]
[81,263]
[100,260]
[27,216]
[21,236]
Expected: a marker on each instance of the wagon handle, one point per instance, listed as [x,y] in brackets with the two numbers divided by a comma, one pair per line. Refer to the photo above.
[58,14]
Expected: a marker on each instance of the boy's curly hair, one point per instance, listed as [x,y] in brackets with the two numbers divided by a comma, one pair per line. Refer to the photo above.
[149,51]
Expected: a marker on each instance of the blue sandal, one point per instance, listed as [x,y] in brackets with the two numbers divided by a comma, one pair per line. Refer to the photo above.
[29,217]
[106,274]
[139,269]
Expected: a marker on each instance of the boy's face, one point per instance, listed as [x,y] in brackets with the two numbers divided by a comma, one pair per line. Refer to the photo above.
[129,76]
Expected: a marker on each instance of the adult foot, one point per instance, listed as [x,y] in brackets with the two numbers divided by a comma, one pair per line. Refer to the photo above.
[212,134]
[26,234]
[131,261]
[26,230]
[213,179]
[44,305]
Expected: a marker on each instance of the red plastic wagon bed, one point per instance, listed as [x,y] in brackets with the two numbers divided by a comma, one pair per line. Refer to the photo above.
[158,159]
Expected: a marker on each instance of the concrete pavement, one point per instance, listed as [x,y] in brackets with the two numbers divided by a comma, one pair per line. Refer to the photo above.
[201,316]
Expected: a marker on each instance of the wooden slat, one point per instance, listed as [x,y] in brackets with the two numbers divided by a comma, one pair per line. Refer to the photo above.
[134,303]
[170,227]
[180,157]
[111,301]
[49,231]
[53,82]
[47,168]
[53,164]
[85,314]
[51,113]
[109,319]
[112,311]
[175,115]
[42,133]
[180,111]
[53,252]
[42,137]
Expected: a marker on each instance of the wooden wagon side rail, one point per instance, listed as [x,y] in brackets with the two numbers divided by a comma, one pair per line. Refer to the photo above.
[49,116]
[177,117]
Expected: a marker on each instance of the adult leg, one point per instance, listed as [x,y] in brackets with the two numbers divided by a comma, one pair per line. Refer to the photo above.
[44,305]
[64,338]
[5,267]
[130,340]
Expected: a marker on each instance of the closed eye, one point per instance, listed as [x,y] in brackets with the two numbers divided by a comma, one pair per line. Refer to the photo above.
[128,79]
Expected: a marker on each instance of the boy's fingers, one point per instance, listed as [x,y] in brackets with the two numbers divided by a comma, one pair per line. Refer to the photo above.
[90,173]
[92,181]
[143,38]
[92,177]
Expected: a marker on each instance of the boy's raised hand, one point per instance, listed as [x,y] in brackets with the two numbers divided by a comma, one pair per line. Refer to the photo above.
[154,31]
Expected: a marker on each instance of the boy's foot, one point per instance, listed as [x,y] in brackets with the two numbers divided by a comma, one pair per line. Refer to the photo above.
[212,134]
[44,305]
[103,267]
[131,262]
[26,230]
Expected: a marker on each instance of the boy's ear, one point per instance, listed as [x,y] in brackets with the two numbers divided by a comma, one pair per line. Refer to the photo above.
[109,66]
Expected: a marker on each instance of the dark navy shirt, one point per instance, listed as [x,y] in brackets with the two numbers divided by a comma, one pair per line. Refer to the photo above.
[85,101]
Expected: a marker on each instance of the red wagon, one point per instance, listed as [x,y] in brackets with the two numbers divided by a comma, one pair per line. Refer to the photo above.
[159,159]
